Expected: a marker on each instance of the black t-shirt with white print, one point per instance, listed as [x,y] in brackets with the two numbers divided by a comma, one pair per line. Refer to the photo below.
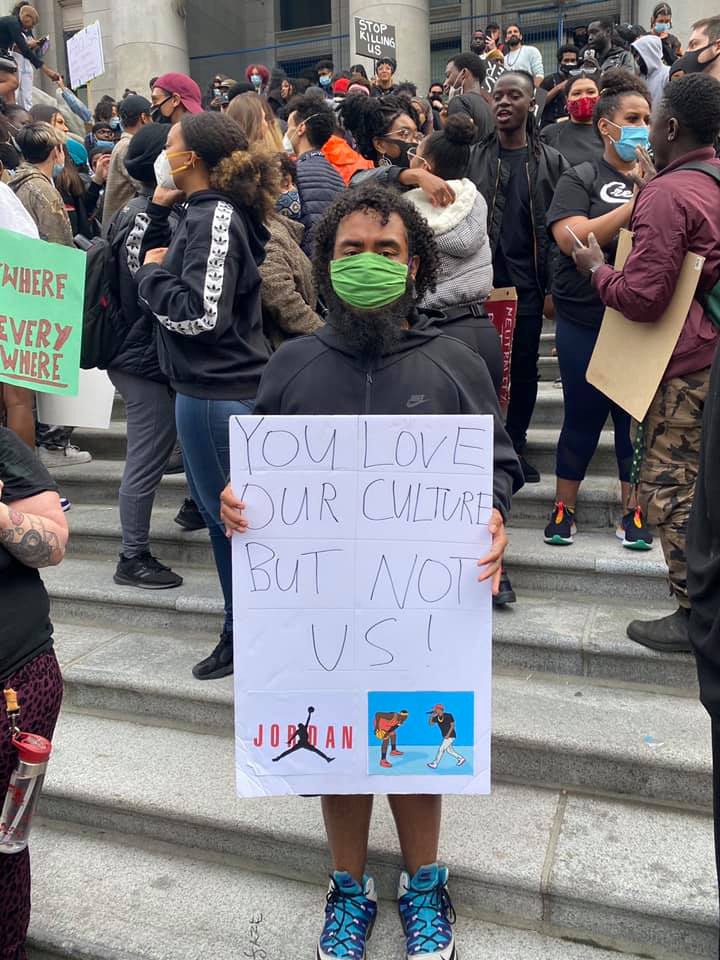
[588,190]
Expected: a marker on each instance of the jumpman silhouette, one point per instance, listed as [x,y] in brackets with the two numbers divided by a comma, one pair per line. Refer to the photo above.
[303,741]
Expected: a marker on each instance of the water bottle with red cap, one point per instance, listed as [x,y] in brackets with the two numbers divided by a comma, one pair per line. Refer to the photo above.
[26,782]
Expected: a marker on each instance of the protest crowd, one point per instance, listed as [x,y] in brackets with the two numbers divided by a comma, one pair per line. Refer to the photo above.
[328,244]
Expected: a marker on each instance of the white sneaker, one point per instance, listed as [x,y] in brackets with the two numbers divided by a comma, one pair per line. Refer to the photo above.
[62,456]
[432,765]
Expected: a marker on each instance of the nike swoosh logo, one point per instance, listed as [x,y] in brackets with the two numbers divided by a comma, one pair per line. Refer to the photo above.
[414,403]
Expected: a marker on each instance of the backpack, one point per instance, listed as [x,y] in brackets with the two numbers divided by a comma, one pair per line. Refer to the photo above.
[101,308]
[711,299]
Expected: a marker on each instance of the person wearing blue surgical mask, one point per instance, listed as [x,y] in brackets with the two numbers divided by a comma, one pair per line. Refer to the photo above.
[594,197]
[325,70]
[259,76]
[661,26]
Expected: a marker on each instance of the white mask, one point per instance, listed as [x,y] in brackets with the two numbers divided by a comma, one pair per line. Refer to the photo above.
[163,172]
[288,144]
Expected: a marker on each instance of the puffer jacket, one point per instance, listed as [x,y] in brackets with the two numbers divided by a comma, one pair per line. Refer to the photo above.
[318,183]
[138,331]
[288,292]
[43,202]
[460,232]
[544,168]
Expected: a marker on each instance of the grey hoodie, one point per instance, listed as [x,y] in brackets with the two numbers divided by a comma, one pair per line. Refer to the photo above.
[650,49]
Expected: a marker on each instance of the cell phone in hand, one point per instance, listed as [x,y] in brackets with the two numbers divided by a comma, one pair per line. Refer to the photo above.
[579,245]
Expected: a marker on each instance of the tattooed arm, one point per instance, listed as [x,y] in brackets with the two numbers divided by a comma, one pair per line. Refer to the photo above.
[34,530]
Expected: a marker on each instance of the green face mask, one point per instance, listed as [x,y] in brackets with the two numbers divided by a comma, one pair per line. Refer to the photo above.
[367,280]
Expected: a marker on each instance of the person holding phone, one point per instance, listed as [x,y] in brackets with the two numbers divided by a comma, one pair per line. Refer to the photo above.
[597,197]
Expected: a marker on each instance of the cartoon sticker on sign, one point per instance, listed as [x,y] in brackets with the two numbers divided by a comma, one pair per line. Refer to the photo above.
[41,312]
[356,582]
[439,737]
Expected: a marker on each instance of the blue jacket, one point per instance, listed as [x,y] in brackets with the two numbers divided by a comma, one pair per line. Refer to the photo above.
[318,184]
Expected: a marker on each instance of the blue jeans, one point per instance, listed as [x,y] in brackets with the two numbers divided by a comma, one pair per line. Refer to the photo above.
[586,409]
[202,427]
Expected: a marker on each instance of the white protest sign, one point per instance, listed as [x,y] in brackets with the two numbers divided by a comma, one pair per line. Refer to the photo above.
[85,56]
[362,637]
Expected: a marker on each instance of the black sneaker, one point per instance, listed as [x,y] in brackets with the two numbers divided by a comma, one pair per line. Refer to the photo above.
[175,463]
[505,594]
[219,663]
[633,531]
[561,529]
[530,473]
[667,635]
[146,572]
[189,517]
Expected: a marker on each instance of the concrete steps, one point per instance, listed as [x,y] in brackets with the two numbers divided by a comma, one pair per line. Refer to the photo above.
[557,731]
[597,838]
[587,640]
[580,863]
[212,906]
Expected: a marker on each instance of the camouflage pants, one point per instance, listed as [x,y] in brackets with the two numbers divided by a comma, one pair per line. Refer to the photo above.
[670,466]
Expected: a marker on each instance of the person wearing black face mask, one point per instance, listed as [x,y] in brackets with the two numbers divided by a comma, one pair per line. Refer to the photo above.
[174,95]
[554,83]
[386,132]
[703,53]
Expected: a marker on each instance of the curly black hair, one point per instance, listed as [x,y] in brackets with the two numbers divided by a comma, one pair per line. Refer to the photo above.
[384,202]
[614,85]
[370,117]
[695,102]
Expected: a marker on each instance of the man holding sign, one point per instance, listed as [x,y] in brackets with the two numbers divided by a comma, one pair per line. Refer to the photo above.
[375,257]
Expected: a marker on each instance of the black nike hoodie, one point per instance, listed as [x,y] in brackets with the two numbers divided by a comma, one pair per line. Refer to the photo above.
[425,373]
[206,297]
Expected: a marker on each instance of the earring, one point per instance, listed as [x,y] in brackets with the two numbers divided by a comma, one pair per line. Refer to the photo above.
[383,161]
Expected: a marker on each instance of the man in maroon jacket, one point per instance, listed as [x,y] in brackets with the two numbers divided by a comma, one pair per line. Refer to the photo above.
[676,212]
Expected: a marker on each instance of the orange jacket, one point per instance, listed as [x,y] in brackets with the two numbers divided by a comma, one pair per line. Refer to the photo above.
[345,160]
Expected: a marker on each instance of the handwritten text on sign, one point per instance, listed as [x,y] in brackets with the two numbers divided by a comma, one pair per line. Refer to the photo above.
[374,39]
[41,312]
[358,575]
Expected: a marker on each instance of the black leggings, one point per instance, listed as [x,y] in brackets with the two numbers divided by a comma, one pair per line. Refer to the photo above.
[586,409]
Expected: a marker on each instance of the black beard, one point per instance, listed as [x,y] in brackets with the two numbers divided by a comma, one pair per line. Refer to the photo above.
[514,42]
[370,333]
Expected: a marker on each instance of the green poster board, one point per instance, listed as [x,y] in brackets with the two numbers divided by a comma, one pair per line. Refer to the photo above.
[42,286]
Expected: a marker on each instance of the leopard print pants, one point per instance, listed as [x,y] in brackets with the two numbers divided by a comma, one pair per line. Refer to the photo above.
[39,688]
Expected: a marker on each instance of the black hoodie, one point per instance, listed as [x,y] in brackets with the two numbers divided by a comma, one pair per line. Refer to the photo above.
[425,373]
[206,297]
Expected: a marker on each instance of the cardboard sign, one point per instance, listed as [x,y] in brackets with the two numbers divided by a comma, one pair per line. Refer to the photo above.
[501,306]
[362,637]
[85,56]
[653,342]
[374,39]
[41,313]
